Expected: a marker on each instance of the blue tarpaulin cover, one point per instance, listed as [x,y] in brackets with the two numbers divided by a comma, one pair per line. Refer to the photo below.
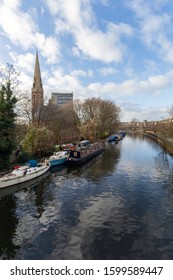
[32,162]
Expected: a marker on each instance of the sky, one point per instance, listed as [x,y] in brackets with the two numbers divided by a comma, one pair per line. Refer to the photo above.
[118,50]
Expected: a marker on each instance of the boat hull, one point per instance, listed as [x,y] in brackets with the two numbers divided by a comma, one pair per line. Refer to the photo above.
[15,188]
[56,162]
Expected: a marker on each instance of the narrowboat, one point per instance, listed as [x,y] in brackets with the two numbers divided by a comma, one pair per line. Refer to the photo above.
[84,152]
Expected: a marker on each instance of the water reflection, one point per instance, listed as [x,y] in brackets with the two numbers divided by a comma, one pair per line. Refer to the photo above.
[59,170]
[164,167]
[102,165]
[10,214]
[117,206]
[7,230]
[11,190]
[107,163]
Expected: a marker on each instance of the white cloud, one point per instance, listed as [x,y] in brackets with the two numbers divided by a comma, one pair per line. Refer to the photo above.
[80,21]
[82,73]
[19,27]
[106,47]
[111,90]
[12,4]
[16,25]
[61,26]
[53,7]
[158,82]
[130,72]
[62,81]
[23,62]
[134,110]
[106,71]
[26,82]
[49,47]
[152,85]
[154,27]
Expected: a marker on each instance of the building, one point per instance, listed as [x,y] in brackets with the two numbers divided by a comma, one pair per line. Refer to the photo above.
[37,91]
[61,98]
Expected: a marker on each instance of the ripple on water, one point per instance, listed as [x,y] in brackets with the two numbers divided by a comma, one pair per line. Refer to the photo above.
[118,206]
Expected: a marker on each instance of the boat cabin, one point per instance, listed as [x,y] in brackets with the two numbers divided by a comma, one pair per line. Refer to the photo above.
[83,144]
[85,152]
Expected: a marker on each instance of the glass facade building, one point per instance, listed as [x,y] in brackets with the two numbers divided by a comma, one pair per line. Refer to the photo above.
[61,98]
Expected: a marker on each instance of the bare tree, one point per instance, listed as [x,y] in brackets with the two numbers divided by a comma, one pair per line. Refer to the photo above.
[59,119]
[170,111]
[8,74]
[24,108]
[97,116]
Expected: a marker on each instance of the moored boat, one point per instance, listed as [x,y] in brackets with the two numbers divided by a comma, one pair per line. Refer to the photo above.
[85,151]
[31,183]
[121,134]
[114,138]
[58,158]
[23,174]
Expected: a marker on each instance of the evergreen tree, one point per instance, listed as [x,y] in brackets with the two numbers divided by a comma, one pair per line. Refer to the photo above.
[7,124]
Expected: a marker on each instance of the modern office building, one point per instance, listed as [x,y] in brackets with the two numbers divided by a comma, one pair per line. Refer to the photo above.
[61,98]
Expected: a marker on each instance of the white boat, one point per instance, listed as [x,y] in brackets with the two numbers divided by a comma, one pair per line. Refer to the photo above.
[58,158]
[31,183]
[23,174]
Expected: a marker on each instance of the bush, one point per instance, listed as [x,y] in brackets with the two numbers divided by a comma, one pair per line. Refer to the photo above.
[38,141]
[22,157]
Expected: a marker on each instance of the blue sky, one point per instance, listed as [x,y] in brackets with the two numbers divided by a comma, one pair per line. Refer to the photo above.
[116,50]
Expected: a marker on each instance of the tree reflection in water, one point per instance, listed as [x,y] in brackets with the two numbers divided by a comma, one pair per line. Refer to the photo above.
[9,223]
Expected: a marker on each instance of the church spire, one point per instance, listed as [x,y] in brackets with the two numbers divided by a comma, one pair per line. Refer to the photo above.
[37,90]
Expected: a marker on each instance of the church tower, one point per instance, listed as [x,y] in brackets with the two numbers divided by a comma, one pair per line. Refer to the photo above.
[37,91]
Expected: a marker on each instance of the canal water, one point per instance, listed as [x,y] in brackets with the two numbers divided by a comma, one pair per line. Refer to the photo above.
[117,206]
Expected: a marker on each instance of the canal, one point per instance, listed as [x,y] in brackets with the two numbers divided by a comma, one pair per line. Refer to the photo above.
[117,206]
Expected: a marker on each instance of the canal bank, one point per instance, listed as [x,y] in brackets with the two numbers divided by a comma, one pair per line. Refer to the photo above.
[165,142]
